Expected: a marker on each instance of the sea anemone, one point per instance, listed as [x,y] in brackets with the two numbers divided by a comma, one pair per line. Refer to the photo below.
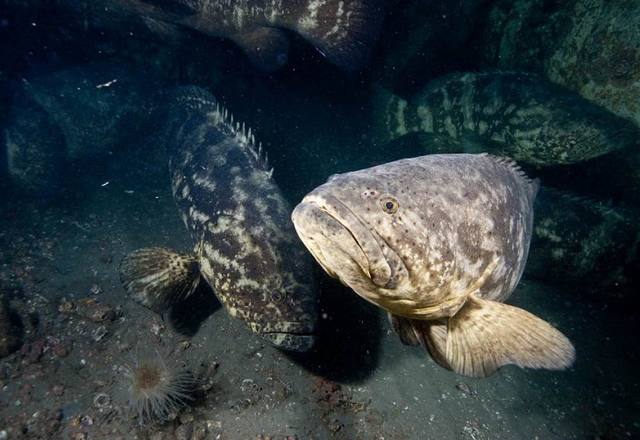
[156,389]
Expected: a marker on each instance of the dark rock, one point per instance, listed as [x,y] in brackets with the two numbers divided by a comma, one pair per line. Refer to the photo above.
[25,392]
[57,390]
[95,311]
[585,244]
[60,350]
[590,46]
[73,114]
[463,387]
[10,329]
[184,431]
[33,371]
[33,351]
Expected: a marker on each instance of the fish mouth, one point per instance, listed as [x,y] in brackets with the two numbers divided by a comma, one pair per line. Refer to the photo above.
[328,218]
[291,336]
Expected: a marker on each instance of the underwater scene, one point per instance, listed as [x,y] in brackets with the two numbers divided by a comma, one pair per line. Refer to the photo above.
[319,219]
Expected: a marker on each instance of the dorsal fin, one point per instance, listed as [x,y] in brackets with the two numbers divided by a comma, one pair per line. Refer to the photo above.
[197,99]
[534,184]
[246,137]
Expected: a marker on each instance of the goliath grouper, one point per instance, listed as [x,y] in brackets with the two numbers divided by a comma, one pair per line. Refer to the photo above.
[245,246]
[344,31]
[439,242]
[519,115]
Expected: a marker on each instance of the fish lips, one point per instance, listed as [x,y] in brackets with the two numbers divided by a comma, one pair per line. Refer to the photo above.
[322,220]
[290,341]
[290,336]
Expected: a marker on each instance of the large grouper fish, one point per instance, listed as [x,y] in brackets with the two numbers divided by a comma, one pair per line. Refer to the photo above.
[439,242]
[344,31]
[515,114]
[245,246]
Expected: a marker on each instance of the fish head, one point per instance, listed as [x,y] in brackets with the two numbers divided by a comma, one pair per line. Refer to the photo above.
[290,309]
[369,229]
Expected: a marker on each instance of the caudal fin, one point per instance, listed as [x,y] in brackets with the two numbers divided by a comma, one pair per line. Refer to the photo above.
[158,277]
[344,31]
[486,335]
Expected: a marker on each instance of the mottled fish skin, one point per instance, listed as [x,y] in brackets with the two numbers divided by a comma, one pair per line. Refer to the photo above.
[239,221]
[438,242]
[579,242]
[526,117]
[456,215]
[344,31]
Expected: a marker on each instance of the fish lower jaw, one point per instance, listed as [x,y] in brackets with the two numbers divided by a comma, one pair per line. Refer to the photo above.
[297,342]
[290,336]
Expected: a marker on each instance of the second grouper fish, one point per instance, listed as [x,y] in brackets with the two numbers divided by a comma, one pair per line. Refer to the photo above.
[245,246]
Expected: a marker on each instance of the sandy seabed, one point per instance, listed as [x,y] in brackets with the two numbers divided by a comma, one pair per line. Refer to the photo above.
[58,270]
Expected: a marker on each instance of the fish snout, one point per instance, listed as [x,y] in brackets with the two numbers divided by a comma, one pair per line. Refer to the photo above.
[290,341]
[291,336]
[331,230]
[326,239]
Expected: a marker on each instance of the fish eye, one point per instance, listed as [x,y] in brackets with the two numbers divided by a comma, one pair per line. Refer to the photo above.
[390,205]
[277,296]
[281,294]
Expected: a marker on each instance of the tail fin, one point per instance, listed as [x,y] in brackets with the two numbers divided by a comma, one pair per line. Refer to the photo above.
[486,335]
[157,277]
[344,31]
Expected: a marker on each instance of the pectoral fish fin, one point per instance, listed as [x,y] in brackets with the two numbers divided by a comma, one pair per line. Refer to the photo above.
[342,31]
[485,335]
[432,335]
[404,329]
[157,277]
[266,47]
